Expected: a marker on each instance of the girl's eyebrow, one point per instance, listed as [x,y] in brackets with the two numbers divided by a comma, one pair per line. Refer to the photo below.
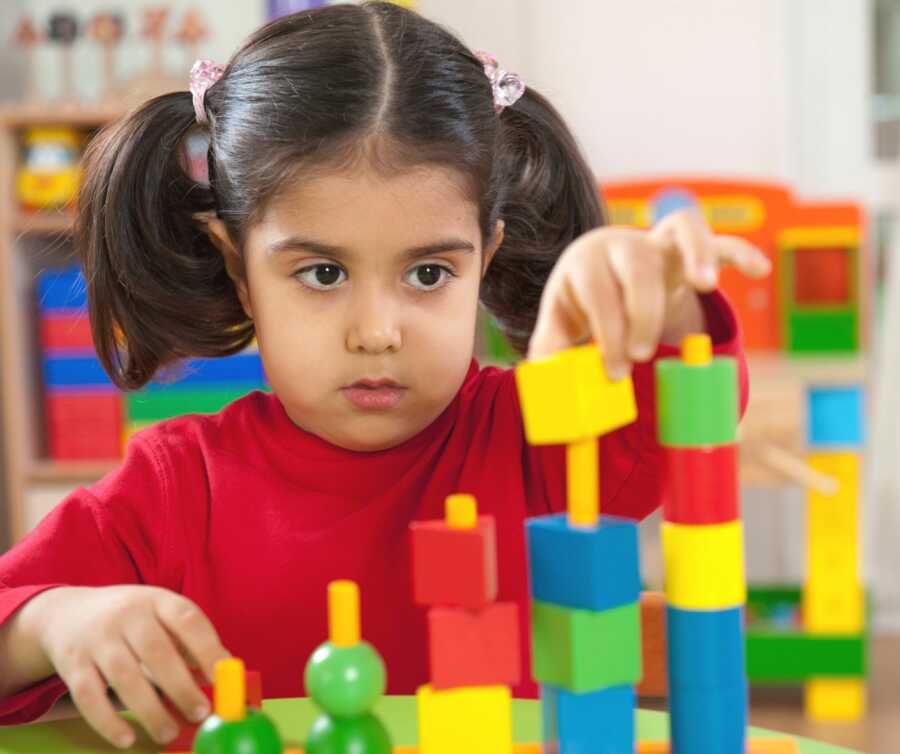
[295,243]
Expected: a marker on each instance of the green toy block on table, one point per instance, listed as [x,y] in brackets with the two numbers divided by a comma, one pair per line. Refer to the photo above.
[784,657]
[584,650]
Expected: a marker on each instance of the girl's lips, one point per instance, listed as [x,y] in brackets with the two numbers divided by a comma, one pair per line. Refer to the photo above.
[374,397]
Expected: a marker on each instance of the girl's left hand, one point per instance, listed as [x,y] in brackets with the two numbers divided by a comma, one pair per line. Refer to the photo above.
[630,289]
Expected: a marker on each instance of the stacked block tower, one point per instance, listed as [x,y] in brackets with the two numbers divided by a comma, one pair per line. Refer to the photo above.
[84,411]
[583,567]
[833,595]
[345,676]
[473,639]
[703,550]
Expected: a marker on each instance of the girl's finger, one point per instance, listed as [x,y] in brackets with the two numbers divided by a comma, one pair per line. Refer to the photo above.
[686,235]
[153,647]
[123,672]
[641,275]
[558,324]
[88,692]
[191,628]
[743,255]
[597,294]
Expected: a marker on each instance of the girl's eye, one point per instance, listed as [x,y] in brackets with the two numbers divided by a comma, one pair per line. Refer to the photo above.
[322,277]
[427,277]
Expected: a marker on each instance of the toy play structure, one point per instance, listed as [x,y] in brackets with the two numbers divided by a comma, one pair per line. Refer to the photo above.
[812,303]
[585,588]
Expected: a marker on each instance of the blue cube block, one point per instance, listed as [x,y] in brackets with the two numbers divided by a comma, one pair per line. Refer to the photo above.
[835,416]
[598,722]
[706,647]
[587,568]
[711,721]
[239,369]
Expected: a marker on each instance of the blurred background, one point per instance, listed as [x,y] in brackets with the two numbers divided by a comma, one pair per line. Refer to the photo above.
[780,120]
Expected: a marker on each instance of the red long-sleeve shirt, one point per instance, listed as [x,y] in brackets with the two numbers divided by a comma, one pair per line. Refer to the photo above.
[250,517]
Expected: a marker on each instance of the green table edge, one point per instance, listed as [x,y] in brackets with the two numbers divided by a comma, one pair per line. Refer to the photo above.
[294,716]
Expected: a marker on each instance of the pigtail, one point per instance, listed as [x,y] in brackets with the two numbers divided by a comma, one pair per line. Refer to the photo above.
[547,197]
[157,288]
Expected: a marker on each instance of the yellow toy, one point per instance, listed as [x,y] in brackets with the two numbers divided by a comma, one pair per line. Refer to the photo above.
[50,171]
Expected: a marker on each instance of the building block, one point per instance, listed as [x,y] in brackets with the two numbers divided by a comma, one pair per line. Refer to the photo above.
[701,485]
[704,565]
[583,650]
[697,404]
[835,416]
[599,722]
[567,397]
[832,699]
[823,276]
[144,406]
[706,648]
[834,607]
[822,330]
[75,371]
[708,720]
[84,425]
[654,680]
[475,720]
[572,566]
[187,730]
[62,290]
[455,567]
[474,648]
[775,657]
[66,332]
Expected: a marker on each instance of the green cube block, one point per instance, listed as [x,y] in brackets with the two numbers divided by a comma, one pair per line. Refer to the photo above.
[697,405]
[791,657]
[822,330]
[584,650]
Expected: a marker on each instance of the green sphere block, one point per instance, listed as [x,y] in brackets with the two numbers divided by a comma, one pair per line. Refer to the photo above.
[585,650]
[345,681]
[697,406]
[350,735]
[255,734]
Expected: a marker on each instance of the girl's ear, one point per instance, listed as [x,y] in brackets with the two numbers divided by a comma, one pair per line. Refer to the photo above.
[492,246]
[234,262]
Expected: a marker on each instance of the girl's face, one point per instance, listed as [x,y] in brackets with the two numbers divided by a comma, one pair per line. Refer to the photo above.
[364,293]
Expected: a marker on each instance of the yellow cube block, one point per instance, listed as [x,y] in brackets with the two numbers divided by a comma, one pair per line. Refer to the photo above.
[834,606]
[835,699]
[470,719]
[704,565]
[567,397]
[833,549]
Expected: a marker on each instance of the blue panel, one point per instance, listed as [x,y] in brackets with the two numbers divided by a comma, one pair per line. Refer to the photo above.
[708,721]
[705,647]
[669,200]
[70,371]
[62,290]
[588,568]
[835,416]
[240,369]
[598,722]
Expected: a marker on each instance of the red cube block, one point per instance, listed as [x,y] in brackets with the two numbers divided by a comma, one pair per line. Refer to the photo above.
[69,331]
[184,741]
[456,567]
[474,647]
[85,426]
[701,485]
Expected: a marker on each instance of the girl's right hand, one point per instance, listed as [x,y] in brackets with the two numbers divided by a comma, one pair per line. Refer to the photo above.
[117,636]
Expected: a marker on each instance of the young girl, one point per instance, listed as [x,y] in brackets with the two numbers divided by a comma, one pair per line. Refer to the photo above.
[371,180]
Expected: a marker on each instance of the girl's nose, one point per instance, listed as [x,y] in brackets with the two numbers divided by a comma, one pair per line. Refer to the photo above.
[374,328]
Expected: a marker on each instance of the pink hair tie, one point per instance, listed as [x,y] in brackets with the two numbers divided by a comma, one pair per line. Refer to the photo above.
[204,73]
[506,86]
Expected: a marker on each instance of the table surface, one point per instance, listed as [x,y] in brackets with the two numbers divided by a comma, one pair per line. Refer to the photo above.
[294,717]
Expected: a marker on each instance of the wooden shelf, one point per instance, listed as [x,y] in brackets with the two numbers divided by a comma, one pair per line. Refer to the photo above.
[69,471]
[51,114]
[49,222]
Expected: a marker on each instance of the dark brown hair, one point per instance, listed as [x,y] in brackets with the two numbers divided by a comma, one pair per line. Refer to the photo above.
[315,90]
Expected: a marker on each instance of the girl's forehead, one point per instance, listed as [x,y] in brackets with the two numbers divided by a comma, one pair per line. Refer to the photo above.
[362,194]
